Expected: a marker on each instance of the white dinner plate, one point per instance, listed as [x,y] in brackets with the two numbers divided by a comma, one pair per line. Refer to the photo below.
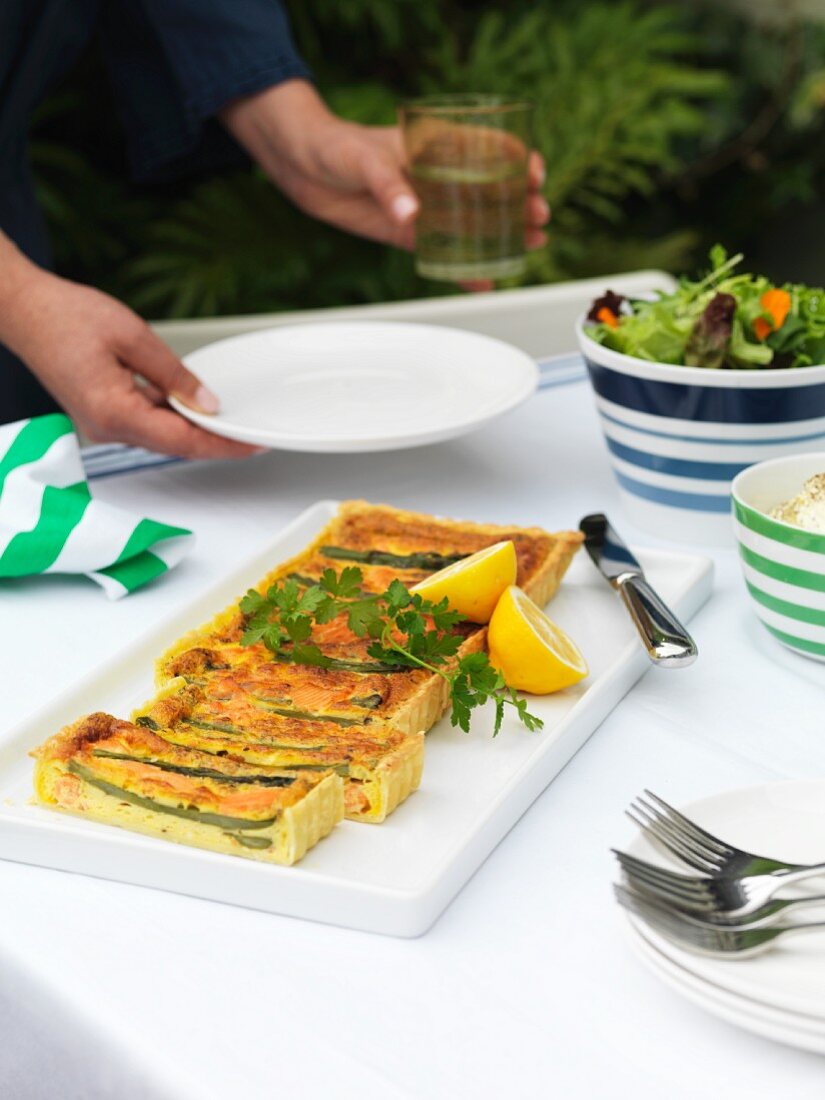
[793,1029]
[348,386]
[785,821]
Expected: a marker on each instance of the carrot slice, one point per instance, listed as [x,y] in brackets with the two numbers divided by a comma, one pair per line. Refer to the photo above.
[607,317]
[777,303]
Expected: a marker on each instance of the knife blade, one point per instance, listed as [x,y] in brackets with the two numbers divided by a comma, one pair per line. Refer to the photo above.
[667,642]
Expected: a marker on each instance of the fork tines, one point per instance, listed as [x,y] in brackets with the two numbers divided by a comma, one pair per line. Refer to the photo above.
[696,934]
[678,835]
[683,891]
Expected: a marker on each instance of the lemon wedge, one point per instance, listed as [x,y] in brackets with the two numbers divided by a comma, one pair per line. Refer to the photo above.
[530,651]
[473,585]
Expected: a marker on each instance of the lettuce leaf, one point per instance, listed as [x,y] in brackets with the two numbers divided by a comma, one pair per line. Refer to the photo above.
[696,325]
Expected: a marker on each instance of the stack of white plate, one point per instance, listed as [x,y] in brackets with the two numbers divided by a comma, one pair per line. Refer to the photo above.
[780,994]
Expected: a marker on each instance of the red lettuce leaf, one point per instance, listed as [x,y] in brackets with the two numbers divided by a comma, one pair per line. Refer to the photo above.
[708,342]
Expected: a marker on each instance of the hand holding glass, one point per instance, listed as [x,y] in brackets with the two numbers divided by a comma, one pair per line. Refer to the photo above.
[468,159]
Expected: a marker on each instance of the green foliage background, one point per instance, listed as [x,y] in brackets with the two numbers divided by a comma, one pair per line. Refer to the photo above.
[665,126]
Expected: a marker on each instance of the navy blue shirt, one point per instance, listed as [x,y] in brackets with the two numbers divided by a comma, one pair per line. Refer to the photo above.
[172,63]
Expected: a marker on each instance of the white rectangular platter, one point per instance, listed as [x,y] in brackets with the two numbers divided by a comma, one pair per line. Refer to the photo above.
[395,878]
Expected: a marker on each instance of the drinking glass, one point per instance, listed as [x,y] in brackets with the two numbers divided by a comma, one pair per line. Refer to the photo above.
[467,159]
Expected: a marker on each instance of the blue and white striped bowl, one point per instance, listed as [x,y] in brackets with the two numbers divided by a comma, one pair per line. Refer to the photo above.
[678,436]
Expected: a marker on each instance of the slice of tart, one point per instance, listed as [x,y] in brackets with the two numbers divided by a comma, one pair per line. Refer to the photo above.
[385,543]
[124,774]
[379,766]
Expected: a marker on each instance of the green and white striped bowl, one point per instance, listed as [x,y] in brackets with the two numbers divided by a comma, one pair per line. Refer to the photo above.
[784,566]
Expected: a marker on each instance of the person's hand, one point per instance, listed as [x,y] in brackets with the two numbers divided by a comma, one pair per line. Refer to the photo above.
[86,348]
[349,175]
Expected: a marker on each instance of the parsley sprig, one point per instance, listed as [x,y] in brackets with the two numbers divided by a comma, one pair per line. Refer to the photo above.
[405,630]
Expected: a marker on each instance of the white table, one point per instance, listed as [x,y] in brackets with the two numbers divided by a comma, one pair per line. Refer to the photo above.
[526,986]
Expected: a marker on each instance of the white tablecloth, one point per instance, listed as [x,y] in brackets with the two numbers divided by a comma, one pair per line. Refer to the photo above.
[526,986]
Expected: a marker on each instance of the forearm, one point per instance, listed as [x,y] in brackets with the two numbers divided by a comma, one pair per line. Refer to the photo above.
[16,273]
[349,175]
[287,122]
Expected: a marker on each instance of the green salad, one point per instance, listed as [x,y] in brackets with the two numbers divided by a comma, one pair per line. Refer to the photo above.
[725,320]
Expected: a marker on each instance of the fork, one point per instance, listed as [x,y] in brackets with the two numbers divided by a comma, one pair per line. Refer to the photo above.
[694,845]
[732,897]
[737,941]
[649,906]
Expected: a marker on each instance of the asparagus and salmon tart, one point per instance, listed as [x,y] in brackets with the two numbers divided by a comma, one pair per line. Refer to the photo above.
[256,747]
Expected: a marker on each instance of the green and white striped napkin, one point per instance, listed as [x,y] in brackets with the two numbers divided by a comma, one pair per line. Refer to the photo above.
[50,524]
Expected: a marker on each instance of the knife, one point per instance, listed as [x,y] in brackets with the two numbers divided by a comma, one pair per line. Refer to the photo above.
[667,642]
